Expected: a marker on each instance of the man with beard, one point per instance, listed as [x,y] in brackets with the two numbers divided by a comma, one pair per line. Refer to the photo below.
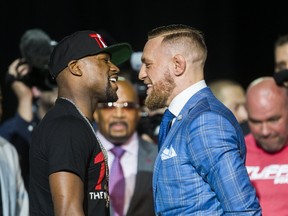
[267,144]
[117,123]
[69,170]
[200,168]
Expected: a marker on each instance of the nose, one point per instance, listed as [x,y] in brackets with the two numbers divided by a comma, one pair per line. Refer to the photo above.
[113,67]
[265,129]
[118,112]
[142,74]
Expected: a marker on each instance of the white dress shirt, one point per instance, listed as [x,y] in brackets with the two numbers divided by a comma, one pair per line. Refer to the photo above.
[181,99]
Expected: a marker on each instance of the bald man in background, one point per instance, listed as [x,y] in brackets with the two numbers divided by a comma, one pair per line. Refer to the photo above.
[267,150]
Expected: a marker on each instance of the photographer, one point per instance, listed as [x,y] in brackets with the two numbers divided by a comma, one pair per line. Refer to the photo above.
[29,79]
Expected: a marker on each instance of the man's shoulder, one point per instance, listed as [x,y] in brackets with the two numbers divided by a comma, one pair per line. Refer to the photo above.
[7,147]
[148,148]
[149,145]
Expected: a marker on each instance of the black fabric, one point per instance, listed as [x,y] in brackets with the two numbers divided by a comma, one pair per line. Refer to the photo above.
[78,151]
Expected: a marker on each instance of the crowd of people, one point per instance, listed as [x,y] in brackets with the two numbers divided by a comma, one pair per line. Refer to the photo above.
[84,141]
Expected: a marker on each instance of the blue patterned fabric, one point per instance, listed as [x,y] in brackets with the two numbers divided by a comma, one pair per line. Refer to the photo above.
[164,126]
[200,168]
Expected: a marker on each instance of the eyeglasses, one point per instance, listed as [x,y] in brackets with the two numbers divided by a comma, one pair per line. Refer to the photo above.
[123,105]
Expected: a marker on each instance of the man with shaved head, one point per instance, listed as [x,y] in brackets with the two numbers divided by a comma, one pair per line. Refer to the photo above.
[267,151]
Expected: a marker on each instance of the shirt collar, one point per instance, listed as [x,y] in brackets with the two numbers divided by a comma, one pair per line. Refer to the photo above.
[181,99]
[131,145]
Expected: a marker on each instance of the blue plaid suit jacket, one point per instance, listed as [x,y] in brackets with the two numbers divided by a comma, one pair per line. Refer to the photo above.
[200,169]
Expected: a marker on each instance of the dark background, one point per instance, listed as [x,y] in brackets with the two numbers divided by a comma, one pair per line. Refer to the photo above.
[239,35]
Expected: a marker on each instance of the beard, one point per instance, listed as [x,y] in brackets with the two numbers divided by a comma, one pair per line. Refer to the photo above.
[118,137]
[160,93]
[110,94]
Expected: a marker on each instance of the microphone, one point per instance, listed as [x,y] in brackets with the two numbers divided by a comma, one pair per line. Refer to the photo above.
[281,77]
[36,47]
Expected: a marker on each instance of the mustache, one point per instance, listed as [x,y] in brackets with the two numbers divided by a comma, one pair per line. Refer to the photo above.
[118,122]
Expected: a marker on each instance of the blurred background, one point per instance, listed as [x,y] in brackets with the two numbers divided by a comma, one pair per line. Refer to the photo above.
[240,35]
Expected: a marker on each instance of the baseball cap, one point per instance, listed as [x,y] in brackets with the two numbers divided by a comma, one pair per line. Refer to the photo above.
[85,43]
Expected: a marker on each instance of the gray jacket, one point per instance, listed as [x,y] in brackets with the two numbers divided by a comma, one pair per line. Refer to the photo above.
[15,201]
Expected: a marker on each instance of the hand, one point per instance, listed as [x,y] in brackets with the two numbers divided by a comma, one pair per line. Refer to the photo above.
[23,92]
[18,68]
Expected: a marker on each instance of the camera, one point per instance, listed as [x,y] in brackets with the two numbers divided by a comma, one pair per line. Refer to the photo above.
[281,77]
[36,47]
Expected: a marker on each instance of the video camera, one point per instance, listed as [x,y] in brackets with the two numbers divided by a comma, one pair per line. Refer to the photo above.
[36,47]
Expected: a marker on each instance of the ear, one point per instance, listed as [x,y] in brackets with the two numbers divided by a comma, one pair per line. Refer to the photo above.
[74,68]
[96,116]
[179,64]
